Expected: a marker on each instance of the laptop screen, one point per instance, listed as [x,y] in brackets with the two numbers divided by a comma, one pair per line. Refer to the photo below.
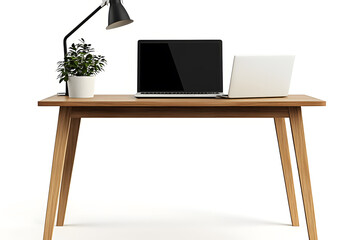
[180,66]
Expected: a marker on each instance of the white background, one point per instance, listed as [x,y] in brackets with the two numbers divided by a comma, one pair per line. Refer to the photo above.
[180,178]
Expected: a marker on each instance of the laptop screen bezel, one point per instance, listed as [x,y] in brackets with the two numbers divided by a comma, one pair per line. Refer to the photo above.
[218,41]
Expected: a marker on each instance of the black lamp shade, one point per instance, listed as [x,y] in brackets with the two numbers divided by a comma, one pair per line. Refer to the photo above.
[117,15]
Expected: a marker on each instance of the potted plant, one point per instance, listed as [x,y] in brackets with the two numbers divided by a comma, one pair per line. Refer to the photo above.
[79,69]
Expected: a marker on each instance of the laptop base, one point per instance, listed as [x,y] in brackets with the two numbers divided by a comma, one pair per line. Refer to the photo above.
[177,95]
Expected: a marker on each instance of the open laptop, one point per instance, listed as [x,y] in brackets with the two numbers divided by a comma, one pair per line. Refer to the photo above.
[179,68]
[260,76]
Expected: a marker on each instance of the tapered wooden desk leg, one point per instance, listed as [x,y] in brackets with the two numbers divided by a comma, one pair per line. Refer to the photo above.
[62,135]
[68,166]
[297,129]
[287,170]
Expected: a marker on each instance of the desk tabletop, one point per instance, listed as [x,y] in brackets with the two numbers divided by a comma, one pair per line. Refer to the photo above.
[131,101]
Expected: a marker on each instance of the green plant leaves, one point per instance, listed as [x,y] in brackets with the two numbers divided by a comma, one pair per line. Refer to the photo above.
[80,62]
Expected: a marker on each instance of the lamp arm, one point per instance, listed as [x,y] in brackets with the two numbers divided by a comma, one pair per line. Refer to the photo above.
[104,3]
[78,26]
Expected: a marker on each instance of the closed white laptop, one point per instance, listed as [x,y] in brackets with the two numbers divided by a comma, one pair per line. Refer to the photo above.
[261,76]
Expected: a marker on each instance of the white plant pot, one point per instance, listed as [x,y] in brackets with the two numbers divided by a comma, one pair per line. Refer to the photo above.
[81,87]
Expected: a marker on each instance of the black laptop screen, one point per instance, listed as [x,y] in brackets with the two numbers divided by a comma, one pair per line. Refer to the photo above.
[180,66]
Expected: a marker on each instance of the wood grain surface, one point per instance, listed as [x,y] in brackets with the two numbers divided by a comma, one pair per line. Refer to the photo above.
[297,129]
[72,110]
[67,172]
[179,112]
[131,101]
[61,139]
[281,134]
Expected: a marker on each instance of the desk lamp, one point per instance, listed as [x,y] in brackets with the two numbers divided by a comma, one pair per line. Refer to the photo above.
[117,17]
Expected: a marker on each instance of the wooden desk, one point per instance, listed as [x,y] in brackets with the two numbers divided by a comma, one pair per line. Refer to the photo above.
[126,106]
